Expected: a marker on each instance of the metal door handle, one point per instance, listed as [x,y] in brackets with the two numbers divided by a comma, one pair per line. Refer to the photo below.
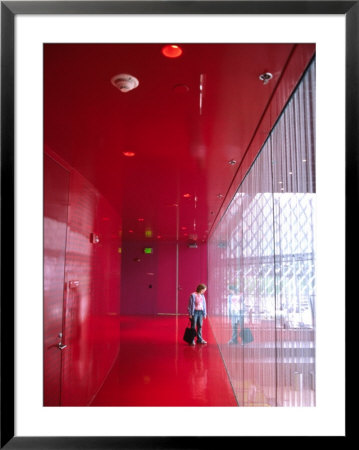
[61,347]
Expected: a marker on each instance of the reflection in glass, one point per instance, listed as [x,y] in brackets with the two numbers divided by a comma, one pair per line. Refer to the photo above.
[262,266]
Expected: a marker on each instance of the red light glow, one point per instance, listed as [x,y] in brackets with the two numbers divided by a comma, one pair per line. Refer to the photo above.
[172,51]
[129,154]
[186,195]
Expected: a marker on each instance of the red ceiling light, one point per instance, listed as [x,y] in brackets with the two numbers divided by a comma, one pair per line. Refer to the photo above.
[172,51]
[186,195]
[129,154]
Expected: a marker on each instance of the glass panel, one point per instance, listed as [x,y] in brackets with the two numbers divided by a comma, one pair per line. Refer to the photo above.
[261,267]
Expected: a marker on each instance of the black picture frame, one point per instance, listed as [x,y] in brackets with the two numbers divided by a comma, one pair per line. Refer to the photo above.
[9,9]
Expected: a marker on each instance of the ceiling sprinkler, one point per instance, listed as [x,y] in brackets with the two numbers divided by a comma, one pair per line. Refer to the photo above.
[265,77]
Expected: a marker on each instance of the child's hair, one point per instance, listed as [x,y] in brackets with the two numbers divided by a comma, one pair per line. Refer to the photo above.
[200,287]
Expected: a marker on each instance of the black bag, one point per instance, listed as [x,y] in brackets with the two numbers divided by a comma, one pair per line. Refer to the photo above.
[189,334]
[246,336]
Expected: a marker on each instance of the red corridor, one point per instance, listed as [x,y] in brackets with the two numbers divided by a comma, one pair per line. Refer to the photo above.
[155,367]
[193,176]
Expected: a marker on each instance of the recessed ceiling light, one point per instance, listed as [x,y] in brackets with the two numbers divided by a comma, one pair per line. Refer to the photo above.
[129,154]
[186,195]
[180,89]
[172,51]
[232,162]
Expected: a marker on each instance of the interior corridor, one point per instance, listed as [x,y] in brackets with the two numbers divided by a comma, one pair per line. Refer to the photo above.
[155,367]
[169,166]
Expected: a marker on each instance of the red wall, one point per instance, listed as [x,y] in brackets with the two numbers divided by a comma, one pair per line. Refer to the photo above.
[56,189]
[92,308]
[149,281]
[192,272]
[104,273]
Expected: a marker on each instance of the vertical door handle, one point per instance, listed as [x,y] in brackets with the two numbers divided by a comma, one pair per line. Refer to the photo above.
[59,345]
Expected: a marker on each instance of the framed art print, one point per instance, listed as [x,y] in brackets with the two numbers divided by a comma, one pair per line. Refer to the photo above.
[130,190]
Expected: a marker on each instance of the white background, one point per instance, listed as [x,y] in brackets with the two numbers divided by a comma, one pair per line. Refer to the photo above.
[327,418]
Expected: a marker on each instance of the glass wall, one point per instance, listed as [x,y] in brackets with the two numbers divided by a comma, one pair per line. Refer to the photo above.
[262,266]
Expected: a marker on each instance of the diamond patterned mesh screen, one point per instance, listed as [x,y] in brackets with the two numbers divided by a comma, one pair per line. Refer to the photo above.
[262,266]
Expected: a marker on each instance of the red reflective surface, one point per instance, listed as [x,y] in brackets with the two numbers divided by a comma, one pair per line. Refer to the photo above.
[182,138]
[149,281]
[179,182]
[56,191]
[155,367]
[88,285]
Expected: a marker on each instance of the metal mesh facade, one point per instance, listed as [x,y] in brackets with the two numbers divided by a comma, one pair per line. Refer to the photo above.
[262,266]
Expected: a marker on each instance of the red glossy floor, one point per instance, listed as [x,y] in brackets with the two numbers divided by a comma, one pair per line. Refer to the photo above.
[155,367]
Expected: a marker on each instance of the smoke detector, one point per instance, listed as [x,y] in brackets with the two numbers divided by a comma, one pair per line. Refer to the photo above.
[125,82]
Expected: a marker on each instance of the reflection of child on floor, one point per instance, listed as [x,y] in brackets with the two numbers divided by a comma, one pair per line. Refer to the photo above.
[236,313]
[199,378]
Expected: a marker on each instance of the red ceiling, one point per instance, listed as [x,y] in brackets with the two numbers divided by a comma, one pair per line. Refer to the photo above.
[179,149]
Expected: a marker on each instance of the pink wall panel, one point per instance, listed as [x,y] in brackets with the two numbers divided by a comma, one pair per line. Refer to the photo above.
[91,292]
[192,271]
[166,301]
[138,287]
[149,285]
[56,189]
[148,280]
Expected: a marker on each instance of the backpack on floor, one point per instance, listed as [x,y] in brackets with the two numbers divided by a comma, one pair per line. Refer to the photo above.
[189,334]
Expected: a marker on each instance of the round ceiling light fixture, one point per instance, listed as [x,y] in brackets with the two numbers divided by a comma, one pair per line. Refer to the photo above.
[172,51]
[125,82]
